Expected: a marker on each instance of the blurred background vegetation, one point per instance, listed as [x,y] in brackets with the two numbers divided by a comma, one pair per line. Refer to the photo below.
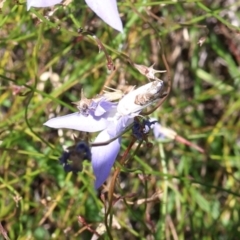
[44,63]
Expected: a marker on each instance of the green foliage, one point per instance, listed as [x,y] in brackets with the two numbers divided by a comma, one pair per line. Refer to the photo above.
[44,64]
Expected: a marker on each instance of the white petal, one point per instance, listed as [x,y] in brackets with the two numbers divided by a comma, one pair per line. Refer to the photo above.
[42,3]
[127,104]
[103,157]
[107,10]
[78,122]
[118,126]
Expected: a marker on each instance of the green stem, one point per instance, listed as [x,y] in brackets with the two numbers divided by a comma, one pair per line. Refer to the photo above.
[161,227]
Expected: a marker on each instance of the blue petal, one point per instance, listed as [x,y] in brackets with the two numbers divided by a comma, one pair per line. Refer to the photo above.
[158,134]
[117,127]
[42,3]
[107,10]
[103,157]
[105,106]
[79,122]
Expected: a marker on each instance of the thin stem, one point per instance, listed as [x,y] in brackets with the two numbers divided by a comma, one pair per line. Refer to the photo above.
[163,209]
[112,139]
[108,223]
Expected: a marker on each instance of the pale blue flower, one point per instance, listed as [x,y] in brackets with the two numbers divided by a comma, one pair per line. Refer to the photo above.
[101,116]
[106,9]
[111,119]
[161,132]
[158,130]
